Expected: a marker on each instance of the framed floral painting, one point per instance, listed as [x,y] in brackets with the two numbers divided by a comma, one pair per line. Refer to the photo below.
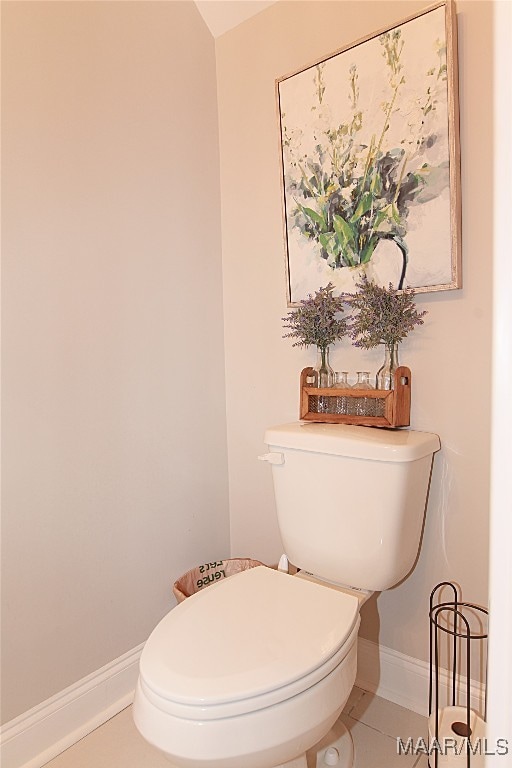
[371,162]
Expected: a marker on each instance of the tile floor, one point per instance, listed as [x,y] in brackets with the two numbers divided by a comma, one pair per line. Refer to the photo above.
[373,722]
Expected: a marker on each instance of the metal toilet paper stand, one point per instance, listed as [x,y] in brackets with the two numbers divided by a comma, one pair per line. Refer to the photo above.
[458,730]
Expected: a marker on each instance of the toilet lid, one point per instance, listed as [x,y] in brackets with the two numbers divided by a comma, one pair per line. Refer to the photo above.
[245,636]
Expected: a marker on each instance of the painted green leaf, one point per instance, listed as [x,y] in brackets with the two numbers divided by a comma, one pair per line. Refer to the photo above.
[367,252]
[387,219]
[346,235]
[314,216]
[345,232]
[363,207]
[395,214]
[382,223]
[330,244]
[376,185]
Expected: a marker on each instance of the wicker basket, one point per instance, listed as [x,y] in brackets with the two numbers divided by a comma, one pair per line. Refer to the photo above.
[203,575]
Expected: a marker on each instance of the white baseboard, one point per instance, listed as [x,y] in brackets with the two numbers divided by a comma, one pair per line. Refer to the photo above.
[42,733]
[405,680]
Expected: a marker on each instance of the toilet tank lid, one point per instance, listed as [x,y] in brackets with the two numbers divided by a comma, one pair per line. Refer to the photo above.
[398,445]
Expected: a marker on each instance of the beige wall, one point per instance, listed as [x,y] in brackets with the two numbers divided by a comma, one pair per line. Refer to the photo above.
[449,356]
[114,445]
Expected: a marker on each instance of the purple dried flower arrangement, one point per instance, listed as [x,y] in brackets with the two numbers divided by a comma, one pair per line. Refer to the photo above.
[317,321]
[382,315]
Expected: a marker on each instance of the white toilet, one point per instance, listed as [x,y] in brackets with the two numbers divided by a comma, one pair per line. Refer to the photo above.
[254,670]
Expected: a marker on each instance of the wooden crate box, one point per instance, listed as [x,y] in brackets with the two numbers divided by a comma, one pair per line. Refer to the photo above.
[366,407]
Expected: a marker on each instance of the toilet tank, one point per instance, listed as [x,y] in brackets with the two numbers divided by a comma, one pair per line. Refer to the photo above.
[351,500]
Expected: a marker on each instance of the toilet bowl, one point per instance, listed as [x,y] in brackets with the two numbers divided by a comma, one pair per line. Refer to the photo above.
[249,673]
[253,671]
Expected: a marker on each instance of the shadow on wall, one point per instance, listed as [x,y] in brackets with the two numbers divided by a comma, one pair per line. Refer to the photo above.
[370,618]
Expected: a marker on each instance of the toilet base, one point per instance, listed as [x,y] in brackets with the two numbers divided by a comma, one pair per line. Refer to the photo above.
[336,749]
[299,762]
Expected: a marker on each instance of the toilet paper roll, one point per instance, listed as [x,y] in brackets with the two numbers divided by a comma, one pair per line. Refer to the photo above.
[452,741]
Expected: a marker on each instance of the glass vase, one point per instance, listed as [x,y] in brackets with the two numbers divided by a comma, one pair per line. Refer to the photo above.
[385,378]
[363,381]
[363,406]
[323,377]
[323,373]
[342,401]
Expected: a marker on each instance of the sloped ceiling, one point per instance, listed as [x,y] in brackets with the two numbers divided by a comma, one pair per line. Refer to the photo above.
[222,15]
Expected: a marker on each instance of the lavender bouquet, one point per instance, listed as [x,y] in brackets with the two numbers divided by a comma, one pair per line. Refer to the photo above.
[382,316]
[317,321]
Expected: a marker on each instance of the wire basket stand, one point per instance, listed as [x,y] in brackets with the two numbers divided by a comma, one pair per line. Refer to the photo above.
[461,724]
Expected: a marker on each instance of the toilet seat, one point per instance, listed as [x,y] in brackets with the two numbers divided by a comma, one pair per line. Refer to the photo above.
[245,643]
